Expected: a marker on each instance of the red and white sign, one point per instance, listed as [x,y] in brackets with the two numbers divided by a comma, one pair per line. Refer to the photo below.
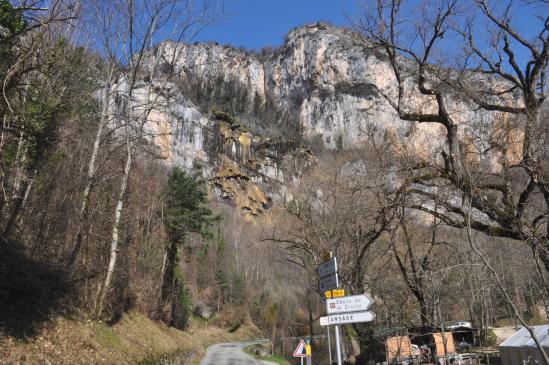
[300,350]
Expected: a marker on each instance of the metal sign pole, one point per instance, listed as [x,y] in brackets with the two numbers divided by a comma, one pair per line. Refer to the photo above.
[301,360]
[329,345]
[338,348]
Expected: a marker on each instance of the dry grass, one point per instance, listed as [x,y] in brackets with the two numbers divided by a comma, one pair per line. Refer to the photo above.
[135,339]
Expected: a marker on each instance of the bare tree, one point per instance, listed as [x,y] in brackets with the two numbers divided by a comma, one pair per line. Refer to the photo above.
[505,293]
[128,29]
[36,27]
[344,205]
[461,189]
[510,199]
[415,260]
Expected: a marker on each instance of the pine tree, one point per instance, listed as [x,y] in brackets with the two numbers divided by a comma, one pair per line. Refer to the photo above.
[186,212]
[221,276]
[258,105]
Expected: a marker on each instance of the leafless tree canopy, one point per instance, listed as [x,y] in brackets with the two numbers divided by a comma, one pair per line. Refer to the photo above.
[507,196]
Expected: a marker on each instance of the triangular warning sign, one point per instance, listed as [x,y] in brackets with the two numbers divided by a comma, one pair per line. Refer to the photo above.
[300,350]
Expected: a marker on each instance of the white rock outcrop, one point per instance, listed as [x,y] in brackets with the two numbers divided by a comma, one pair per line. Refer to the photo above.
[329,78]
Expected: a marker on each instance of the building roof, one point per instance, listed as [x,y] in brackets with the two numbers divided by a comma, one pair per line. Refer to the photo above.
[522,338]
[389,331]
[461,329]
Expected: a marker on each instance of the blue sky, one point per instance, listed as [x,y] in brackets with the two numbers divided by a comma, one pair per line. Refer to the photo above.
[260,23]
[255,24]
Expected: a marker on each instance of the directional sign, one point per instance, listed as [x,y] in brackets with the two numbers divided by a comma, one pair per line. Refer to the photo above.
[351,303]
[324,321]
[328,283]
[327,268]
[349,318]
[300,350]
[334,293]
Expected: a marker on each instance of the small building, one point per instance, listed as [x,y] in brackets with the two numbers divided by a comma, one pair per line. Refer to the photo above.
[520,348]
[414,345]
[432,337]
[399,349]
[437,344]
[464,335]
[393,346]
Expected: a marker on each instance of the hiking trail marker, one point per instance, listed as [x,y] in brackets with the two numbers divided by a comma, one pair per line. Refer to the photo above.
[334,293]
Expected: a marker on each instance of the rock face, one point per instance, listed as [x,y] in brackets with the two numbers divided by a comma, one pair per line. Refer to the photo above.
[247,120]
[327,76]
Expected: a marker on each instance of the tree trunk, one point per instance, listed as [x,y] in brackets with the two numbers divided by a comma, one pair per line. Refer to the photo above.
[423,311]
[44,142]
[84,205]
[543,252]
[311,319]
[516,312]
[26,196]
[116,226]
[168,283]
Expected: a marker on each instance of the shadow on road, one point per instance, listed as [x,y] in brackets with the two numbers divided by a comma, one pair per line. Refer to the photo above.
[30,291]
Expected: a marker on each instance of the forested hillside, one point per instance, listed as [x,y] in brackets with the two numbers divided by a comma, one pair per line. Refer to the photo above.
[145,175]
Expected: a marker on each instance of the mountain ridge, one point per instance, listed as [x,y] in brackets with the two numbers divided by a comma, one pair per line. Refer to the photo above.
[222,109]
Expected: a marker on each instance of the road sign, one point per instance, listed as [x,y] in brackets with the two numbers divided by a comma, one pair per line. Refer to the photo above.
[328,283]
[300,350]
[351,303]
[350,318]
[324,321]
[334,293]
[327,268]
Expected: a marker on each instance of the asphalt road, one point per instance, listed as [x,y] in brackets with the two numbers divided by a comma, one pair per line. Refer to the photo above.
[231,354]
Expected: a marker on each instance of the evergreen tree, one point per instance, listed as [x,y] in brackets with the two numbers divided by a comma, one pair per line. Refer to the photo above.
[186,212]
[12,24]
[221,276]
[258,104]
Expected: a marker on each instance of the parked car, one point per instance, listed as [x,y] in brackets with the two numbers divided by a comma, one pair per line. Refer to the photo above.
[461,324]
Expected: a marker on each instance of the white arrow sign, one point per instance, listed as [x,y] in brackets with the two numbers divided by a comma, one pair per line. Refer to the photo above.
[328,283]
[324,321]
[349,318]
[351,303]
[327,268]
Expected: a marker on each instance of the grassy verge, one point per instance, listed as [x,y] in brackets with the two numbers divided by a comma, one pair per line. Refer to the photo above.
[136,339]
[277,359]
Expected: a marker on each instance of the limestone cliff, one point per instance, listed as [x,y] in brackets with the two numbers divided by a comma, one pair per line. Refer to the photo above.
[247,120]
[327,76]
